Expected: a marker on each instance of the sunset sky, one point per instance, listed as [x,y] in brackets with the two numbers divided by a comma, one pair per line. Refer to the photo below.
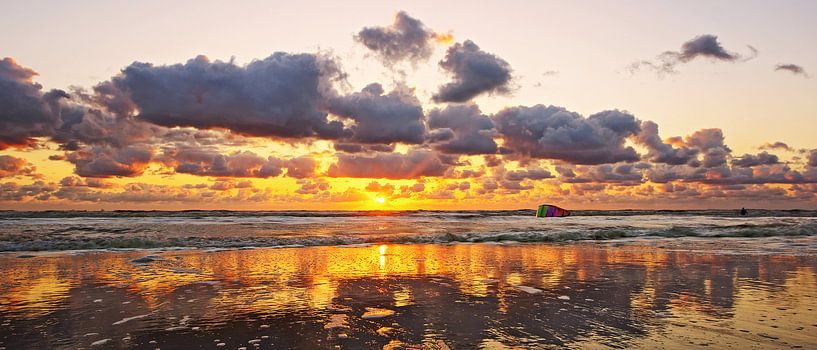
[408,105]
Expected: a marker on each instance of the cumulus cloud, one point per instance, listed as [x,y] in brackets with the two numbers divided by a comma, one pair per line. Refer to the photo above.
[107,161]
[208,162]
[12,166]
[414,164]
[661,152]
[474,72]
[812,158]
[750,160]
[549,132]
[711,143]
[776,145]
[74,181]
[278,96]
[301,167]
[467,130]
[702,46]
[382,118]
[26,111]
[405,39]
[620,174]
[791,68]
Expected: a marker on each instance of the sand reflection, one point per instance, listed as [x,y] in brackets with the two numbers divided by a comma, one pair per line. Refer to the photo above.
[461,296]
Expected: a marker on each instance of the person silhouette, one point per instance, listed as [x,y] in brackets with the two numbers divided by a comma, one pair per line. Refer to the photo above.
[743,212]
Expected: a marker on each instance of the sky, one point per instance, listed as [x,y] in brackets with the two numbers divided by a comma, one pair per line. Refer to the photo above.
[368,105]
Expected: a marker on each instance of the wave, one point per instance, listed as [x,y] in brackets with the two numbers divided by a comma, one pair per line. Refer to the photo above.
[107,238]
[12,214]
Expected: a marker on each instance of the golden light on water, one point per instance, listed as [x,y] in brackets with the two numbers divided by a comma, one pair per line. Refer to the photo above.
[221,286]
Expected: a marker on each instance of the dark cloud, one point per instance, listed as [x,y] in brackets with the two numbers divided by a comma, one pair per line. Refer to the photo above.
[12,166]
[25,111]
[474,72]
[73,181]
[406,39]
[660,152]
[549,132]
[471,132]
[301,167]
[711,143]
[620,174]
[107,161]
[776,145]
[414,164]
[360,148]
[750,160]
[393,117]
[39,190]
[279,96]
[529,173]
[812,158]
[312,186]
[702,46]
[792,68]
[208,162]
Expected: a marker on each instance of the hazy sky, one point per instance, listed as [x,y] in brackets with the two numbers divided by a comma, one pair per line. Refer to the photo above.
[756,86]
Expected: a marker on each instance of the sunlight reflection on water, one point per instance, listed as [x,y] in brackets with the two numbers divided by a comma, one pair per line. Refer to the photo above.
[458,295]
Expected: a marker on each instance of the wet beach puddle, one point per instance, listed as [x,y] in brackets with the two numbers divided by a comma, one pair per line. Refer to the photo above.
[410,296]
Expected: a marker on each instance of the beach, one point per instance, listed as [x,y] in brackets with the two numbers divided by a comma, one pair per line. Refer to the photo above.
[748,293]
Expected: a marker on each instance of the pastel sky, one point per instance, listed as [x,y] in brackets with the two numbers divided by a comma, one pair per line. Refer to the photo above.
[407,105]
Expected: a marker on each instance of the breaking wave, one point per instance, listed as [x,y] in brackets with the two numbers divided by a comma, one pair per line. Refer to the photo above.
[48,231]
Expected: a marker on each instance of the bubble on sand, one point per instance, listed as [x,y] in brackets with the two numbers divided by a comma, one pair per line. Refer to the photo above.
[337,321]
[128,319]
[101,342]
[529,290]
[375,313]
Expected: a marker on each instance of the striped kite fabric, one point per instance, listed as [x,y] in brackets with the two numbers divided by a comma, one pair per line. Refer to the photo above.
[549,211]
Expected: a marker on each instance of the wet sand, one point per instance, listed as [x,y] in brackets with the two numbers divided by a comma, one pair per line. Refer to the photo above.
[655,294]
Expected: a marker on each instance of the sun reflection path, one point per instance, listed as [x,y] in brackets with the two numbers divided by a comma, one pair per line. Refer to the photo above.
[463,295]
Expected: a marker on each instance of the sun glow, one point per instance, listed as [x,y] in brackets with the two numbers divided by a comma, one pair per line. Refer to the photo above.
[380,200]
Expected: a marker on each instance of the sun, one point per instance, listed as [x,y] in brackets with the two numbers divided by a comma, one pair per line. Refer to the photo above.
[380,200]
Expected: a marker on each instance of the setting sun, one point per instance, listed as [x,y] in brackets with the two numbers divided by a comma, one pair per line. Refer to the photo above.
[380,200]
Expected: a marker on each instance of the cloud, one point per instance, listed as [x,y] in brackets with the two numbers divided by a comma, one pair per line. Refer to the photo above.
[621,174]
[471,132]
[279,96]
[711,144]
[702,46]
[414,164]
[39,190]
[208,162]
[73,181]
[301,167]
[776,145]
[660,152]
[812,158]
[393,117]
[12,167]
[405,39]
[107,161]
[474,72]
[534,173]
[791,68]
[25,111]
[750,160]
[549,132]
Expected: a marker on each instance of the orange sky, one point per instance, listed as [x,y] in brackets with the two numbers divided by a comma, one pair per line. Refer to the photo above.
[409,110]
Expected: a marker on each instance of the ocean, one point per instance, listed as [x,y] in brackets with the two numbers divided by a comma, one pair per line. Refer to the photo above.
[408,280]
[73,230]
